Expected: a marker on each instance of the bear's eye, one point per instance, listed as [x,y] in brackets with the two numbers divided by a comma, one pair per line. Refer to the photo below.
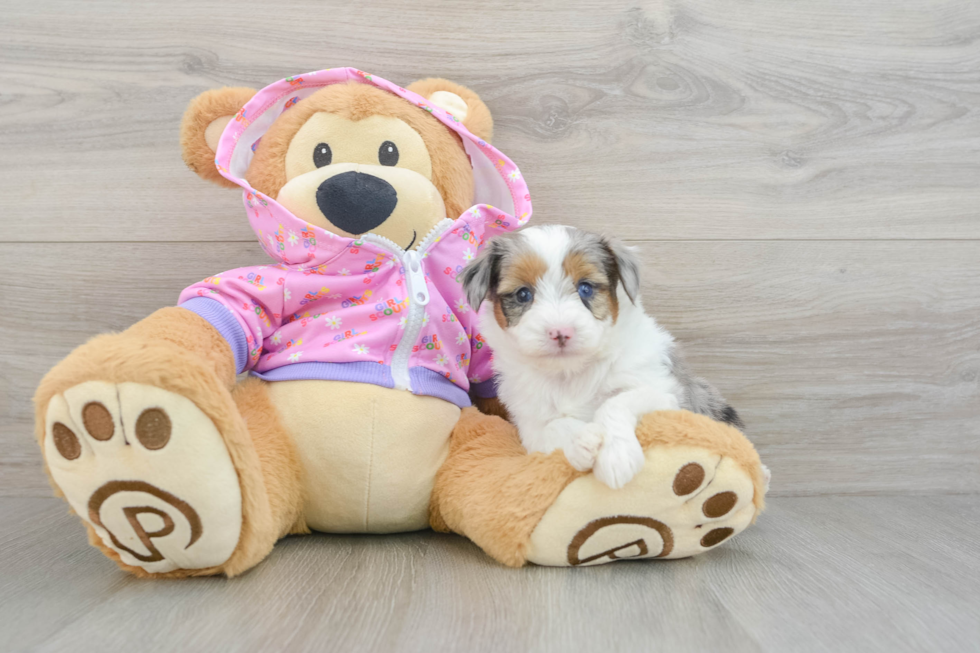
[388,154]
[322,155]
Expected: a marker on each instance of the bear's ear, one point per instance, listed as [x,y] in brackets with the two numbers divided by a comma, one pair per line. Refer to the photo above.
[459,101]
[204,120]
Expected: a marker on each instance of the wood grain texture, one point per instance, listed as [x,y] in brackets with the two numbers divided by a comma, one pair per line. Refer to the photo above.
[844,574]
[803,183]
[670,119]
[855,365]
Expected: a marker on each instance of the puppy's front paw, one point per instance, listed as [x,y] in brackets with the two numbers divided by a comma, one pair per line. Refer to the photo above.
[619,460]
[582,452]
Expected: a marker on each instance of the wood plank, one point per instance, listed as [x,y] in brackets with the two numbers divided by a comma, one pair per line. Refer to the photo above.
[674,119]
[815,574]
[856,365]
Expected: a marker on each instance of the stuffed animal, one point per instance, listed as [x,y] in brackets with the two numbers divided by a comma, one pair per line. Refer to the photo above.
[364,360]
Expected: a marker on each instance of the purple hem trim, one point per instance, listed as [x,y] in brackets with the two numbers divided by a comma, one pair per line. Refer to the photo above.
[424,381]
[427,382]
[362,372]
[485,389]
[222,319]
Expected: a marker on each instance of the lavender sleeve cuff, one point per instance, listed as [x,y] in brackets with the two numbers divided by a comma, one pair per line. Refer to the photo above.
[226,323]
[485,389]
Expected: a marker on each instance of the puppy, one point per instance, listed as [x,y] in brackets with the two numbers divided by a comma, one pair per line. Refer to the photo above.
[576,357]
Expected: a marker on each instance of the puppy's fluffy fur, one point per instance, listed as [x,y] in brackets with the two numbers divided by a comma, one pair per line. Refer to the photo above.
[577,358]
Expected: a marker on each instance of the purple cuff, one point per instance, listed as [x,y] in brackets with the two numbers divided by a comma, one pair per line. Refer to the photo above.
[485,389]
[222,319]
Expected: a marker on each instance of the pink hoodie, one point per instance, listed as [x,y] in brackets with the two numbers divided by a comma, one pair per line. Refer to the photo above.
[357,309]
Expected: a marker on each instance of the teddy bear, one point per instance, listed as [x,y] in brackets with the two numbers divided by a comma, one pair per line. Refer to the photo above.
[366,400]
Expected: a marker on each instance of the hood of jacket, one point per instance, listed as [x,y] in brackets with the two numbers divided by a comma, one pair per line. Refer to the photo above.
[501,195]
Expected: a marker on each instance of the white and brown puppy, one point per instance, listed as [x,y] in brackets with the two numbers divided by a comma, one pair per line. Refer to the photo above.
[577,359]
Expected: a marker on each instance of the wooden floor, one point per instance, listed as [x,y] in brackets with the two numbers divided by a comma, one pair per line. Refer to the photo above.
[802,181]
[817,574]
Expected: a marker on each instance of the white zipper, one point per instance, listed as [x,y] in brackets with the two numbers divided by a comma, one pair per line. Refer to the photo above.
[417,294]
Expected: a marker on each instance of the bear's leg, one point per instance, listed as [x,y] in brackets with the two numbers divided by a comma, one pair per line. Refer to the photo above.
[282,473]
[493,492]
[701,483]
[172,473]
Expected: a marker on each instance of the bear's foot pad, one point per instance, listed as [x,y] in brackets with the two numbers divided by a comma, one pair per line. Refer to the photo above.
[149,471]
[684,501]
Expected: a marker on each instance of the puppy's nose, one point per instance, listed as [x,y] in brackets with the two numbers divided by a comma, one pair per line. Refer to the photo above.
[561,335]
[356,202]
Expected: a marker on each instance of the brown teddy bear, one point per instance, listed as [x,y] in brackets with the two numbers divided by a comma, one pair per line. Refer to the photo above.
[364,360]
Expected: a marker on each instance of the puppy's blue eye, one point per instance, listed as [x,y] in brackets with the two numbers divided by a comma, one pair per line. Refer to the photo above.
[524,295]
[585,290]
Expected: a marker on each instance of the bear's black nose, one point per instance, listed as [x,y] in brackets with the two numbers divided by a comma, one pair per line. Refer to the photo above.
[356,202]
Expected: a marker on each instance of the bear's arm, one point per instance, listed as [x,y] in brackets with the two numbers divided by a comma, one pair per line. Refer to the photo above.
[245,306]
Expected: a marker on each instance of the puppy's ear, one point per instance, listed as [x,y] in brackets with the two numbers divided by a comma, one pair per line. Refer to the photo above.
[460,101]
[482,274]
[627,266]
[204,120]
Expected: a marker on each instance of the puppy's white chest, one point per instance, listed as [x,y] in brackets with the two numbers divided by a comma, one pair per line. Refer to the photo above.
[577,402]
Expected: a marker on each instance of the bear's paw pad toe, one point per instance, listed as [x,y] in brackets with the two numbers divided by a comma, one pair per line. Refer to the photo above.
[148,471]
[683,502]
